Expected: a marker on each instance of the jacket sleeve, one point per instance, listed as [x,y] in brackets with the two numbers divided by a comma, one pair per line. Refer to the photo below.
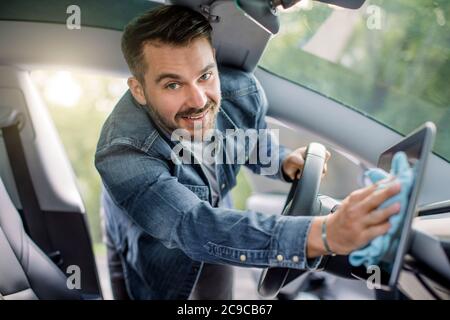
[143,187]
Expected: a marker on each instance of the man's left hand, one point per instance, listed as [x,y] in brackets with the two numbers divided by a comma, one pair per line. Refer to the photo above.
[294,162]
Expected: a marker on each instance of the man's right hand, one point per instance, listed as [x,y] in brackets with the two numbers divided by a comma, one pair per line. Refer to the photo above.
[357,221]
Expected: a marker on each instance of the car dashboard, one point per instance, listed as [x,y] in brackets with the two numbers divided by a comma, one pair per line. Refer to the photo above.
[426,270]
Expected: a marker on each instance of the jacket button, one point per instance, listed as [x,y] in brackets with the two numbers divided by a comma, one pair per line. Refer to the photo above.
[243,257]
[223,186]
[295,259]
[280,257]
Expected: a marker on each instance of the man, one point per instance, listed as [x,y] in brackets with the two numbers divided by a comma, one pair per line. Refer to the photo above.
[171,222]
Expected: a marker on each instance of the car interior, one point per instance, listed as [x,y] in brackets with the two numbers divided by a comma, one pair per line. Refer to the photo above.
[44,229]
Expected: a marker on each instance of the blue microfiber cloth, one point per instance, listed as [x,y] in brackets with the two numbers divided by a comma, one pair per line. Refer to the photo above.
[378,248]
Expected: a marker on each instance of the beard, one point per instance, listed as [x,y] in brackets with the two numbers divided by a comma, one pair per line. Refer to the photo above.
[199,129]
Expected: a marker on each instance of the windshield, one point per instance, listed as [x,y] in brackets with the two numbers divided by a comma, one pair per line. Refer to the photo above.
[388,59]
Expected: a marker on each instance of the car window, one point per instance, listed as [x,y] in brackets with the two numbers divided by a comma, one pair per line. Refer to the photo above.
[389,59]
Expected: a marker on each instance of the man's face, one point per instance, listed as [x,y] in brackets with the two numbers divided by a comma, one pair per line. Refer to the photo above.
[182,87]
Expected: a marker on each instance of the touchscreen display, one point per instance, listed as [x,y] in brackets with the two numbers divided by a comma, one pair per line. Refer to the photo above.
[417,147]
[413,147]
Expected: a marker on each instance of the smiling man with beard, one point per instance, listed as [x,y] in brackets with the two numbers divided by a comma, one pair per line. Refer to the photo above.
[171,225]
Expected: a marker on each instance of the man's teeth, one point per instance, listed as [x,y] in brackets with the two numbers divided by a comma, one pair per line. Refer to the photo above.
[196,117]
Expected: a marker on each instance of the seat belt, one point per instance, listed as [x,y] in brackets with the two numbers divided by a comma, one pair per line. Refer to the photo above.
[32,216]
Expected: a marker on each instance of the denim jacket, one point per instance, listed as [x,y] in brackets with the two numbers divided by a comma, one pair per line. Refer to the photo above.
[159,213]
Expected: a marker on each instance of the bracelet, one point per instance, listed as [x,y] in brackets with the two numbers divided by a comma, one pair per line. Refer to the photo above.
[324,237]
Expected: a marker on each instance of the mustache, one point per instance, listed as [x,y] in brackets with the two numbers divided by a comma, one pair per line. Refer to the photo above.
[194,111]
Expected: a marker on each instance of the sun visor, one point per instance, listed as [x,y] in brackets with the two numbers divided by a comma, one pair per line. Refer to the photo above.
[239,39]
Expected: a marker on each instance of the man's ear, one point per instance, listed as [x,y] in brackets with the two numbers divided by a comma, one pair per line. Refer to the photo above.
[136,90]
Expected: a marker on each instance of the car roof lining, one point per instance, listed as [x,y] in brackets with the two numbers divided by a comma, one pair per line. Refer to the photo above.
[242,51]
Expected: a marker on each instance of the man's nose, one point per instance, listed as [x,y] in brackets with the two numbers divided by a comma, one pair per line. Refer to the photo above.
[197,97]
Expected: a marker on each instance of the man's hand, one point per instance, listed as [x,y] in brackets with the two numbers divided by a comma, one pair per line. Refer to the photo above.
[295,161]
[356,222]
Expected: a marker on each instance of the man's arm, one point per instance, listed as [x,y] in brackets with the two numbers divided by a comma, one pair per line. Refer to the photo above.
[170,212]
[167,210]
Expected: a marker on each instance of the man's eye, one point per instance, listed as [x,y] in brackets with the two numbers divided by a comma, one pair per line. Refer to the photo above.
[172,86]
[206,76]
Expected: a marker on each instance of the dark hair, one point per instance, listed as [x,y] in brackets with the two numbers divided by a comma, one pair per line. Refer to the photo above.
[173,25]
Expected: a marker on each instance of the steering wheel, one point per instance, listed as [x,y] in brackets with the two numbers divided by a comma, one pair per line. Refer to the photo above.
[301,201]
